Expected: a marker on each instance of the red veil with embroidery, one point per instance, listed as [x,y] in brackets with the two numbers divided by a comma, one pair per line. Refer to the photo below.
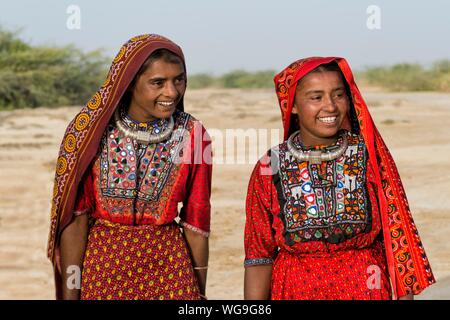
[79,150]
[407,265]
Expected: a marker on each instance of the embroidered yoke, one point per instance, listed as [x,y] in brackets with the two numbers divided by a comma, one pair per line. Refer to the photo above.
[136,184]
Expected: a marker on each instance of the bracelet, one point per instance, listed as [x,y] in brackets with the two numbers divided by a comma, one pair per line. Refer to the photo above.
[201,268]
[202,297]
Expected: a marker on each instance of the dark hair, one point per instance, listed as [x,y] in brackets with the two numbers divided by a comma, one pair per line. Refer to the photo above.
[331,66]
[164,54]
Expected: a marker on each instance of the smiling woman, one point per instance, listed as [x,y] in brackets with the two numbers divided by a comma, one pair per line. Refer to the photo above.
[119,182]
[158,87]
[321,105]
[327,216]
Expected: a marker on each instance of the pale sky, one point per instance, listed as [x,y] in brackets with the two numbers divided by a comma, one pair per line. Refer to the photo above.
[219,36]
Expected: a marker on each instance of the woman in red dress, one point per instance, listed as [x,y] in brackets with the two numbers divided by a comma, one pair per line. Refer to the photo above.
[127,160]
[327,216]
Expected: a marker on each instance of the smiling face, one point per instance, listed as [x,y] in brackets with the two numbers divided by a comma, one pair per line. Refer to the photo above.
[321,105]
[157,91]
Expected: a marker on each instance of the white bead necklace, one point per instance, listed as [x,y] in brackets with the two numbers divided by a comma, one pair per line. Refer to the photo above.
[143,137]
[316,156]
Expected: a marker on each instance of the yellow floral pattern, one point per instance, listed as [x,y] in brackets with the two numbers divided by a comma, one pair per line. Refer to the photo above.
[121,263]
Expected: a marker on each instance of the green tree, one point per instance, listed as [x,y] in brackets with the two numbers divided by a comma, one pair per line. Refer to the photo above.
[33,76]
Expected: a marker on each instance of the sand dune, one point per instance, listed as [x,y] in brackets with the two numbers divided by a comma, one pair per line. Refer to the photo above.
[414,125]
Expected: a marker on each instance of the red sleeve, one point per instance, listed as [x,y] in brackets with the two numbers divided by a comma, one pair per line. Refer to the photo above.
[259,243]
[196,211]
[85,202]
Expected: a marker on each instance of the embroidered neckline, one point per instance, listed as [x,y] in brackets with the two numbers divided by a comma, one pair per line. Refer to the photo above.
[327,202]
[136,170]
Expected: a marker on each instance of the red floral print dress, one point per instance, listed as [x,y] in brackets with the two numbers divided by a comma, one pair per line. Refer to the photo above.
[318,224]
[131,192]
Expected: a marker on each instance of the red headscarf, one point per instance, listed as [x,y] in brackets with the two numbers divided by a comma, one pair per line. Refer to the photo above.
[408,265]
[83,135]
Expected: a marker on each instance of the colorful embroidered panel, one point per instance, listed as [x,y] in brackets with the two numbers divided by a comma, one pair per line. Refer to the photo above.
[132,170]
[324,202]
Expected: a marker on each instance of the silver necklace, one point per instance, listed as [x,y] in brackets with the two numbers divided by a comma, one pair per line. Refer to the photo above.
[316,156]
[143,137]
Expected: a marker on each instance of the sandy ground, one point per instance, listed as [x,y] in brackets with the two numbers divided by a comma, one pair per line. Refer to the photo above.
[414,125]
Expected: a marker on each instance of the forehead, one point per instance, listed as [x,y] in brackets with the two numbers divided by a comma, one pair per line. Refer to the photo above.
[322,80]
[163,68]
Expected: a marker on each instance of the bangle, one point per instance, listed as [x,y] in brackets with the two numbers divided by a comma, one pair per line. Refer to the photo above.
[201,268]
[202,297]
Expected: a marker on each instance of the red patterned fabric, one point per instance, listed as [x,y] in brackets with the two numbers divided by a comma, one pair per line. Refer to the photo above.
[407,265]
[311,269]
[82,140]
[158,199]
[137,263]
[343,275]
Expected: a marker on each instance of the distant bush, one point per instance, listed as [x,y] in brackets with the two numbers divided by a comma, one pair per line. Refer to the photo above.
[410,77]
[244,79]
[201,80]
[233,79]
[399,77]
[33,76]
[441,72]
